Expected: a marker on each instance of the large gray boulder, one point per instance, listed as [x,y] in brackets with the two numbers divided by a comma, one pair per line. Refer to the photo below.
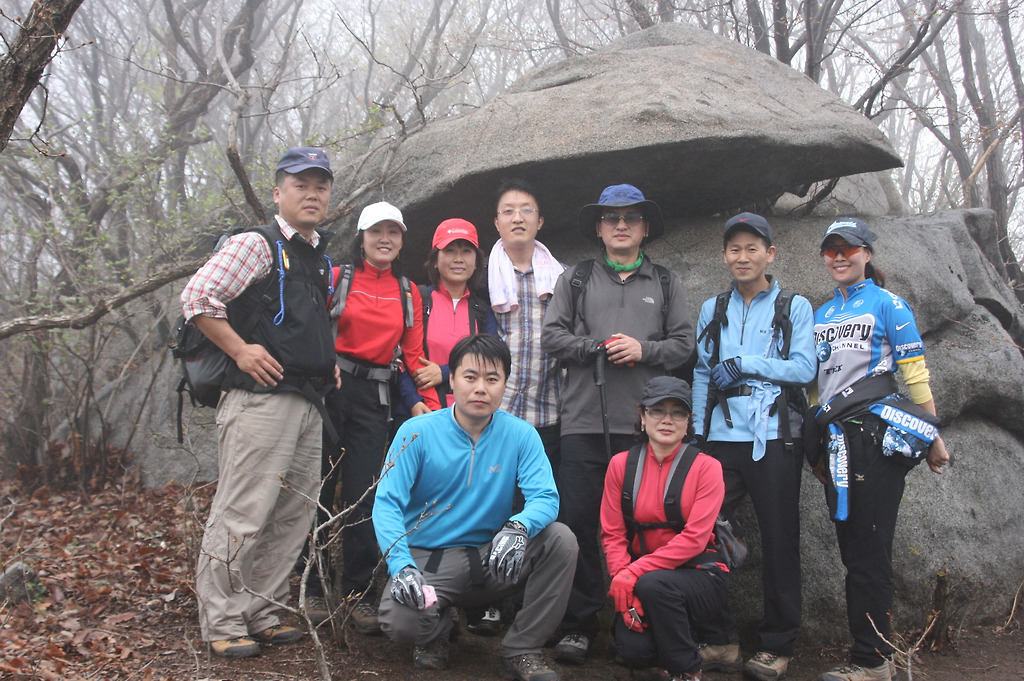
[700,123]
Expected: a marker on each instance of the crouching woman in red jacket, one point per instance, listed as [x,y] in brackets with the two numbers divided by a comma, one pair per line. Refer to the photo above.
[668,582]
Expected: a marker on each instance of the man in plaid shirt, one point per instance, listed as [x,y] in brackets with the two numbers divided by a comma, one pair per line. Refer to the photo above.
[268,418]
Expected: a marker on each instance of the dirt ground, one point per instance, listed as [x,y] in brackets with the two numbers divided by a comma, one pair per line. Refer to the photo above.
[111,599]
[979,655]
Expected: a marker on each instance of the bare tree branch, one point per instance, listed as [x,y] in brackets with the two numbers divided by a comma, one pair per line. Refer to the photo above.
[98,310]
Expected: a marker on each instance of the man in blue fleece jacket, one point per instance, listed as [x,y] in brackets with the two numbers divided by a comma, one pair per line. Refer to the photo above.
[444,520]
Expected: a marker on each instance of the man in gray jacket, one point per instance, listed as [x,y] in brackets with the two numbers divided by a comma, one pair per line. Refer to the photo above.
[630,316]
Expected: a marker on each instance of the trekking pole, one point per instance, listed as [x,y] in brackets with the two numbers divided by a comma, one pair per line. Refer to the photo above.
[599,365]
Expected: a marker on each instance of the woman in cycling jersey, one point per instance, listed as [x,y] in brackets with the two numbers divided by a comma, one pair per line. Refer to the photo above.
[874,434]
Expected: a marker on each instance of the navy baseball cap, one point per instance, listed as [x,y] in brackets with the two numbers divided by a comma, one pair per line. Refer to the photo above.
[297,159]
[851,230]
[621,196]
[749,222]
[665,387]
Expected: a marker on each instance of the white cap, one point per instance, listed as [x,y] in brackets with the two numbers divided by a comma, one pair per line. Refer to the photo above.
[380,212]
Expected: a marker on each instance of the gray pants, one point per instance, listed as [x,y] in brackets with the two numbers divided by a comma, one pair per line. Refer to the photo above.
[546,579]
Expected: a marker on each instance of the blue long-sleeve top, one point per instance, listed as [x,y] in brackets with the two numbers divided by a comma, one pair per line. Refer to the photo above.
[747,336]
[439,489]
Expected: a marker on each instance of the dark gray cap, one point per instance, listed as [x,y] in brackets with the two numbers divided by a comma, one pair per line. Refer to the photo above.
[749,222]
[853,231]
[664,387]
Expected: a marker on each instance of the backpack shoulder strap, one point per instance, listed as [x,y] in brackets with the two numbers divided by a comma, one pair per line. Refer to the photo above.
[477,313]
[578,282]
[674,488]
[405,288]
[712,333]
[337,303]
[665,277]
[781,320]
[631,478]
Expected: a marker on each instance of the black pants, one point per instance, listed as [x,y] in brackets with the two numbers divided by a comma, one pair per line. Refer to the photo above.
[361,422]
[773,484]
[584,462]
[865,540]
[679,605]
[551,438]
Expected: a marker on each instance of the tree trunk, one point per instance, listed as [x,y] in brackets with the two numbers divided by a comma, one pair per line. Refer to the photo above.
[32,49]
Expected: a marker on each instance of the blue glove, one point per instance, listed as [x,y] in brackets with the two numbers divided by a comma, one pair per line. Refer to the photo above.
[507,552]
[726,373]
[407,588]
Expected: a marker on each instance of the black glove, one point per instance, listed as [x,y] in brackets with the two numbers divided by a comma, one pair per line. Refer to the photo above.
[726,373]
[507,551]
[407,588]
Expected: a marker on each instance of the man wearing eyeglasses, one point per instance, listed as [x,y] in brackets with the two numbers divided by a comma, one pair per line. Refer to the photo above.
[521,275]
[631,316]
[748,405]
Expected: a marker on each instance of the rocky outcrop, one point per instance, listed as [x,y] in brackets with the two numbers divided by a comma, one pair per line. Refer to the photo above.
[700,123]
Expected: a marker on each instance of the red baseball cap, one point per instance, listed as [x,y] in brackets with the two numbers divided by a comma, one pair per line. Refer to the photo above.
[452,230]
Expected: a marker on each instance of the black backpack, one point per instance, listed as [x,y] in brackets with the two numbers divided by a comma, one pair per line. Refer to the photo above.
[726,548]
[791,398]
[204,366]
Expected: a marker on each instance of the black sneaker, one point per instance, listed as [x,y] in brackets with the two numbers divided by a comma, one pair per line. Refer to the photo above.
[572,649]
[434,655]
[527,667]
[488,625]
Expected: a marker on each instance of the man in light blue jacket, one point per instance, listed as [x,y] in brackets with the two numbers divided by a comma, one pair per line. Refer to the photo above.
[755,352]
[445,521]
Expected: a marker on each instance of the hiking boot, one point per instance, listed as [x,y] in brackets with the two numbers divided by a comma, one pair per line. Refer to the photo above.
[488,625]
[364,618]
[243,646]
[527,667]
[278,635]
[317,610]
[724,658]
[854,672]
[572,649]
[765,666]
[433,655]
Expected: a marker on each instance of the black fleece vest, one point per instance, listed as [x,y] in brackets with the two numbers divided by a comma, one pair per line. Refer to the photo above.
[293,324]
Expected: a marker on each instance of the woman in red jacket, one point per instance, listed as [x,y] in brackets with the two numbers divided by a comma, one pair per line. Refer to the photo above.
[668,583]
[371,326]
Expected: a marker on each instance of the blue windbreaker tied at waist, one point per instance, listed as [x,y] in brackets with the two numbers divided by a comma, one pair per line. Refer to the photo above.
[910,429]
